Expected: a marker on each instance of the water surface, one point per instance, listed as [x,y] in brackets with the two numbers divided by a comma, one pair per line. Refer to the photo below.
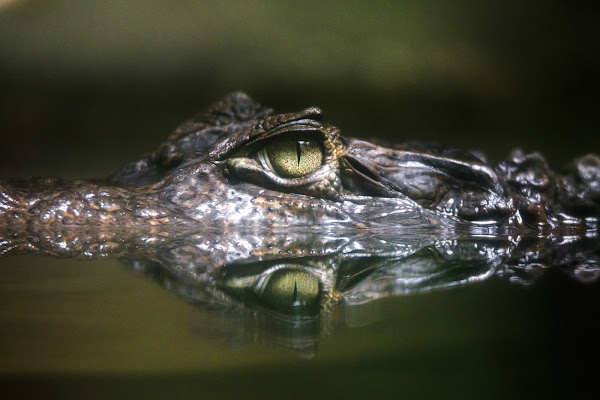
[71,326]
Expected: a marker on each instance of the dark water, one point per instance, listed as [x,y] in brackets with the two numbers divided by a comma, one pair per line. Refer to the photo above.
[97,329]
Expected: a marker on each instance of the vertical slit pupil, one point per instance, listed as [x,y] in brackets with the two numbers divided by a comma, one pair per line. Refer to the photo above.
[295,295]
[298,150]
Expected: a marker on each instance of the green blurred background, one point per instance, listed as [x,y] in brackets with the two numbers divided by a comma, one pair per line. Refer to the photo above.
[87,85]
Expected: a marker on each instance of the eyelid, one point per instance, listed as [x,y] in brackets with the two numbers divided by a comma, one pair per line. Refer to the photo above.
[264,159]
[290,129]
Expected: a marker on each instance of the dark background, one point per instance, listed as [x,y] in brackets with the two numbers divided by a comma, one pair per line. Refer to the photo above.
[87,86]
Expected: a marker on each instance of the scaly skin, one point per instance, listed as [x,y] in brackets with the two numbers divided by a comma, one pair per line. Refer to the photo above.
[206,175]
[205,217]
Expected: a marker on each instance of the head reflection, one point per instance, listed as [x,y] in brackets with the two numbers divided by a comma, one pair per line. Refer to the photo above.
[286,290]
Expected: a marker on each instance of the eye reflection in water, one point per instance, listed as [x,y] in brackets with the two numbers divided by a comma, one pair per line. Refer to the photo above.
[283,288]
[286,294]
[287,289]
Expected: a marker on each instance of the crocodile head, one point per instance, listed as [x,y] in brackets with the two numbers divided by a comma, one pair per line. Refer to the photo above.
[240,164]
[238,173]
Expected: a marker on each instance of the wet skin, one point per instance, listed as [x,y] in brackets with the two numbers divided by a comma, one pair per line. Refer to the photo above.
[239,164]
[241,206]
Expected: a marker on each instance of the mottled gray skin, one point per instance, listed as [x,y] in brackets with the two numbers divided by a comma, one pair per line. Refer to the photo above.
[207,220]
[205,176]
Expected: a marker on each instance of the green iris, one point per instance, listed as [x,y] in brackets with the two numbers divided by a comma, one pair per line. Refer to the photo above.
[287,290]
[293,157]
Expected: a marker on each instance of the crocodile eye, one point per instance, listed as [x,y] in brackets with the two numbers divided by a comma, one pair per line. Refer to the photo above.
[287,290]
[292,157]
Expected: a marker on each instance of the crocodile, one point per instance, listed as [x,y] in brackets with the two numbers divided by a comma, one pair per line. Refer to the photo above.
[241,207]
[241,165]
